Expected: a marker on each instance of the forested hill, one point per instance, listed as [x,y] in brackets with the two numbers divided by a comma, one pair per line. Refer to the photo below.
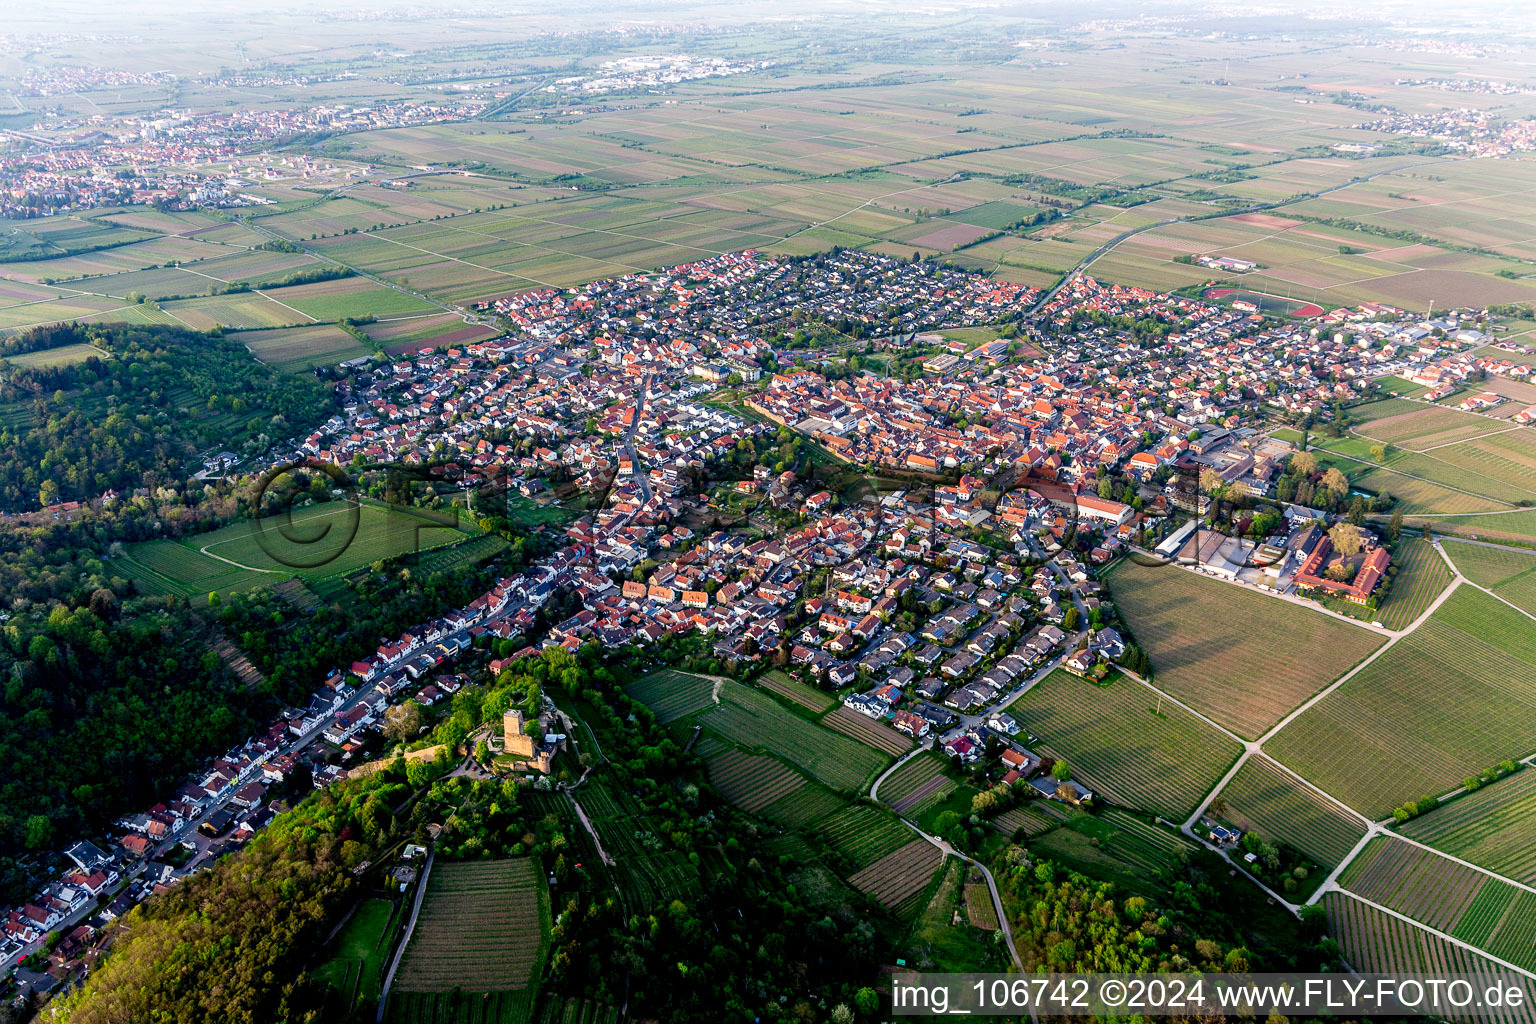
[147,400]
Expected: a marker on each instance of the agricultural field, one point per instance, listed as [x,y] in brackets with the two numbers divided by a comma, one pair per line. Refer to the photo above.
[1488,912]
[756,721]
[646,871]
[868,731]
[1263,798]
[346,297]
[1374,941]
[750,781]
[1206,650]
[672,694]
[899,880]
[52,358]
[1516,526]
[171,567]
[318,541]
[862,834]
[917,785]
[406,334]
[554,1009]
[1508,572]
[804,805]
[1421,576]
[1494,827]
[953,932]
[301,349]
[1034,818]
[1414,881]
[1122,745]
[808,697]
[455,1007]
[354,969]
[1118,845]
[483,927]
[1447,701]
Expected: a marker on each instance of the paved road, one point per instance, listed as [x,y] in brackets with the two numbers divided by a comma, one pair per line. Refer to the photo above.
[410,926]
[629,439]
[950,851]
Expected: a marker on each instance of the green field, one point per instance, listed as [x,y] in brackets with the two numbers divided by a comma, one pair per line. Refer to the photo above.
[354,968]
[1240,658]
[1487,912]
[320,541]
[1447,701]
[1136,855]
[1263,798]
[1122,747]
[1372,940]
[1508,572]
[300,349]
[1421,576]
[483,928]
[755,721]
[1494,827]
[672,694]
[1516,526]
[64,355]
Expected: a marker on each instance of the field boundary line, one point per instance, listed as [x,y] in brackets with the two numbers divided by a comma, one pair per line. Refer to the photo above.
[312,319]
[1346,677]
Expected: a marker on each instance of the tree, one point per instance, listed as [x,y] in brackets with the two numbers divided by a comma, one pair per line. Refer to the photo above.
[1379,452]
[868,1001]
[403,721]
[1334,480]
[1061,771]
[1395,525]
[1071,619]
[39,832]
[1347,539]
[1303,464]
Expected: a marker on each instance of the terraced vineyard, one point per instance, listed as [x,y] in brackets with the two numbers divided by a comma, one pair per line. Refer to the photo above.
[753,720]
[806,696]
[1447,701]
[917,785]
[672,694]
[1120,746]
[751,781]
[1199,634]
[1264,798]
[1461,901]
[863,834]
[1494,827]
[646,871]
[868,731]
[483,928]
[1377,942]
[898,880]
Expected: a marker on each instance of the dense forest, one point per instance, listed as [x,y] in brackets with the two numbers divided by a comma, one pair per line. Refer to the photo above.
[147,404]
